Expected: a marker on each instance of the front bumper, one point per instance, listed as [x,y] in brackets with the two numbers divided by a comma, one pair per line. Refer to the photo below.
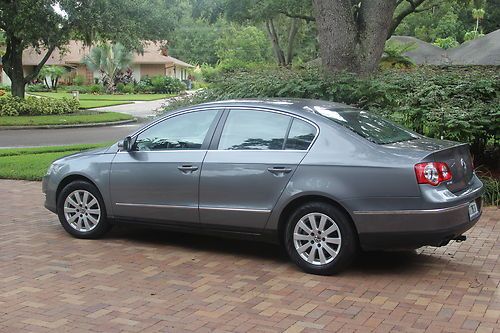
[411,229]
[49,190]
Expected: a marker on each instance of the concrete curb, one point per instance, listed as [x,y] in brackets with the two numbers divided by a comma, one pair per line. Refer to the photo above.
[113,123]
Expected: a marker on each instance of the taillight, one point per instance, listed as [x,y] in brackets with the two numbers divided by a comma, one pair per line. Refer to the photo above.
[432,173]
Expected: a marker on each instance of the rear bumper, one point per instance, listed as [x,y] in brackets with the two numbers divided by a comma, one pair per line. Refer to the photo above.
[411,229]
[50,197]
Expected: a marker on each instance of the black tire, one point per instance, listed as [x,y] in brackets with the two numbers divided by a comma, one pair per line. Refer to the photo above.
[102,226]
[346,251]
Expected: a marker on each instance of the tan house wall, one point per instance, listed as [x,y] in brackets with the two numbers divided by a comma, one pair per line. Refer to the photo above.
[152,70]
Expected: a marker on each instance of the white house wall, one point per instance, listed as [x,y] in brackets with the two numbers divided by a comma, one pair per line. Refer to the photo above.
[5,79]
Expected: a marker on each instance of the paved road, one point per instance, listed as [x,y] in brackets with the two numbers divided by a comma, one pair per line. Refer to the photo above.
[139,109]
[64,136]
[138,280]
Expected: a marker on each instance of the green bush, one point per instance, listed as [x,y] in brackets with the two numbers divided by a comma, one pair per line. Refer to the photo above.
[129,88]
[34,106]
[166,85]
[38,87]
[120,86]
[96,89]
[5,87]
[461,104]
[79,80]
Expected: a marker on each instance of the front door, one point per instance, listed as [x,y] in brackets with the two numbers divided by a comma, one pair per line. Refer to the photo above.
[245,172]
[159,179]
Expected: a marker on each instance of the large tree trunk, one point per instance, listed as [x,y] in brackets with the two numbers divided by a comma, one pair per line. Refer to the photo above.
[12,61]
[13,66]
[352,34]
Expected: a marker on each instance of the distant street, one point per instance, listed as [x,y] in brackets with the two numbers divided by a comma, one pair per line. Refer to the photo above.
[64,136]
[144,111]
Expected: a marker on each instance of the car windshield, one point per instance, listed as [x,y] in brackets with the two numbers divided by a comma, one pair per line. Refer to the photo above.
[367,125]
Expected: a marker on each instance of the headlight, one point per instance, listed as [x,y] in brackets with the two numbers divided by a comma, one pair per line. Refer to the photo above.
[54,168]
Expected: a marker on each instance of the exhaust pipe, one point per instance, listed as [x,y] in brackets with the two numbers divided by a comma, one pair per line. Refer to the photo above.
[460,238]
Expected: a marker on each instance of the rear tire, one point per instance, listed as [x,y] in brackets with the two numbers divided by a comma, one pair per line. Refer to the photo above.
[325,247]
[81,210]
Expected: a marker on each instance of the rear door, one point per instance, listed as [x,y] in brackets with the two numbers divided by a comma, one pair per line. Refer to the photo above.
[252,157]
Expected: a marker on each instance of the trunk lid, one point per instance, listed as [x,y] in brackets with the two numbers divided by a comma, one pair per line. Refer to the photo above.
[456,155]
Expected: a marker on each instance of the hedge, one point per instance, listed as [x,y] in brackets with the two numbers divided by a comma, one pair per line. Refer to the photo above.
[34,106]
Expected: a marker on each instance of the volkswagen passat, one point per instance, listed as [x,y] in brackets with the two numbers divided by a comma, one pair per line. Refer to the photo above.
[322,178]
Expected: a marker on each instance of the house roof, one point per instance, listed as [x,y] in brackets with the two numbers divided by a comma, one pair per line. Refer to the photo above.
[75,51]
[481,51]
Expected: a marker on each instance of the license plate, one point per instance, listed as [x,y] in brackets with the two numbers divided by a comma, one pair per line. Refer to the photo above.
[473,211]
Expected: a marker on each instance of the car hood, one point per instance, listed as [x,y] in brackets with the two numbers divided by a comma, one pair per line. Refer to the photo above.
[96,151]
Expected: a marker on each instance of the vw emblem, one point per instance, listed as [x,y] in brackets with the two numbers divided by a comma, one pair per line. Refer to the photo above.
[464,165]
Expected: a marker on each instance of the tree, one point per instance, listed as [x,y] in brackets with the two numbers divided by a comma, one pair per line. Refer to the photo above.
[52,73]
[50,24]
[110,60]
[351,37]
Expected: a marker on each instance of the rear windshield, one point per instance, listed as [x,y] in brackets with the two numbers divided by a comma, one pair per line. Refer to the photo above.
[367,125]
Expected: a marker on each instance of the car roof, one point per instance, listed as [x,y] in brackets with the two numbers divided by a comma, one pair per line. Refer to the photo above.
[298,106]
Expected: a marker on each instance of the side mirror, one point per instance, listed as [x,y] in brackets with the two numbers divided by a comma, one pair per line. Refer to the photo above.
[126,144]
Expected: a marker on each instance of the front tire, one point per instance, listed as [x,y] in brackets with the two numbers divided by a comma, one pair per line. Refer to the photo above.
[81,210]
[320,239]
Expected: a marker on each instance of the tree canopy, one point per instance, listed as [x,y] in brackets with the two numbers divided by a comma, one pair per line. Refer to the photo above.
[49,24]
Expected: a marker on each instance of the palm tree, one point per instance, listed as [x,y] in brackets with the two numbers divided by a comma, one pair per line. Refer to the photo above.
[110,60]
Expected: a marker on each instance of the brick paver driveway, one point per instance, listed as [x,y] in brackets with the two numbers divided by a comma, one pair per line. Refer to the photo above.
[141,280]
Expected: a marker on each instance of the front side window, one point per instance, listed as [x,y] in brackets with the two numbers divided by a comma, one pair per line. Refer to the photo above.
[301,135]
[254,130]
[185,131]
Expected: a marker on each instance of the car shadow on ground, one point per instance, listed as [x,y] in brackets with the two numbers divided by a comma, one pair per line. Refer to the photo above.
[372,263]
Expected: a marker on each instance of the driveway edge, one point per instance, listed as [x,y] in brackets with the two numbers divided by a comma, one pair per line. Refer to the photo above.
[111,123]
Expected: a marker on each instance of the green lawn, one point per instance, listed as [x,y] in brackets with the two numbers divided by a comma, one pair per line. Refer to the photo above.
[64,119]
[89,104]
[32,163]
[123,98]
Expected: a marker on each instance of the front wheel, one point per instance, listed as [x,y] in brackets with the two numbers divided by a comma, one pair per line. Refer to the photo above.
[320,239]
[81,210]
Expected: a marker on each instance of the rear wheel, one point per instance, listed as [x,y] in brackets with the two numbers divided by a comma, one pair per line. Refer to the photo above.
[81,210]
[320,239]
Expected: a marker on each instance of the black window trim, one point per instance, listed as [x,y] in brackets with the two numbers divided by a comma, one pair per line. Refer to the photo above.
[214,145]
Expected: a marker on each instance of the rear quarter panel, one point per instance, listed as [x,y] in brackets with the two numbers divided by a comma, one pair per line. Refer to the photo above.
[354,172]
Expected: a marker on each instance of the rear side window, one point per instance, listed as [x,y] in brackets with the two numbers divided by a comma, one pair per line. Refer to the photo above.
[301,135]
[254,130]
[367,125]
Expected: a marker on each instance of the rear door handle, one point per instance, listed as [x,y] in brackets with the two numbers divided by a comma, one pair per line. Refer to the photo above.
[279,171]
[187,168]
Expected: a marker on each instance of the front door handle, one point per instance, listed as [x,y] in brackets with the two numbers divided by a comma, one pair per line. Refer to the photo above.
[187,168]
[279,171]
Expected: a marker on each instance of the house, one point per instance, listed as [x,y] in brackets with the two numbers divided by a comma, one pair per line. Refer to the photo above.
[153,61]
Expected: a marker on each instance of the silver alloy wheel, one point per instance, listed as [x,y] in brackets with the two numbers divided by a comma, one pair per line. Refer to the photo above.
[82,210]
[317,238]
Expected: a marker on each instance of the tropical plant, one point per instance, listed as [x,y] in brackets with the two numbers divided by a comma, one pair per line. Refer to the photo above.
[51,75]
[110,60]
[394,55]
[446,43]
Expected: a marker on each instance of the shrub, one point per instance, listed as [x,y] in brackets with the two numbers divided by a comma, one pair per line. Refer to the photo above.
[120,86]
[461,104]
[167,85]
[38,87]
[129,88]
[33,106]
[5,87]
[96,89]
[79,80]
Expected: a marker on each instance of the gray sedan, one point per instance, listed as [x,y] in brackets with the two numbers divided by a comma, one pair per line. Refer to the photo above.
[324,179]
